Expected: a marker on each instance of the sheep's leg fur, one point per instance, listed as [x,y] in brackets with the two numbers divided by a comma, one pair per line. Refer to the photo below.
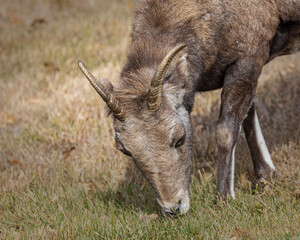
[237,96]
[263,165]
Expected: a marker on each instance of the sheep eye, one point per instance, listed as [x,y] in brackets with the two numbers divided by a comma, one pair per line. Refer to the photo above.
[180,142]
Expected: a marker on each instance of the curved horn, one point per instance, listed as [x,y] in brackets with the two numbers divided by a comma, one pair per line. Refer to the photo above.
[105,94]
[155,92]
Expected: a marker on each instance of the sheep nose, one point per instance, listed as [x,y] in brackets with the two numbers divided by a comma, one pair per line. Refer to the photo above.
[184,206]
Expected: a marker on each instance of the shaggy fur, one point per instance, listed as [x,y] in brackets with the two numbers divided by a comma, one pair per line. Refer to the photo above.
[228,43]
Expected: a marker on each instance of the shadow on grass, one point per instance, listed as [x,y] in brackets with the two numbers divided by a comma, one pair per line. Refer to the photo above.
[133,193]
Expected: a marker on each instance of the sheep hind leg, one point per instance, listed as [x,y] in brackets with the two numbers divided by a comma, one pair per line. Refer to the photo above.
[264,168]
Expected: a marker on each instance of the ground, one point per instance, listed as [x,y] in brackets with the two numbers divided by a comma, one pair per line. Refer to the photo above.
[60,174]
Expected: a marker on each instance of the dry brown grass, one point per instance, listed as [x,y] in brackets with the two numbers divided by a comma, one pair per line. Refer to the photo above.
[55,136]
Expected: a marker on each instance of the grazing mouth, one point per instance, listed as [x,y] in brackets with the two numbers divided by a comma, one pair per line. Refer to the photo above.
[179,209]
[175,212]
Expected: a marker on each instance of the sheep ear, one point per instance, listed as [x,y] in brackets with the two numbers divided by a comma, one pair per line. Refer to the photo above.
[178,72]
[107,84]
[156,88]
[182,70]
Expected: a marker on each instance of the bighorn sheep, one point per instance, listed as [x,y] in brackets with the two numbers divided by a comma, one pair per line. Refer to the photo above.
[179,47]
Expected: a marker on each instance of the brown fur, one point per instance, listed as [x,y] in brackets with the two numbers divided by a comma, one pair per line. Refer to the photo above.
[228,43]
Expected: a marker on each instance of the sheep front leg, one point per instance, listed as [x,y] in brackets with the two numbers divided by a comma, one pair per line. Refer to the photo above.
[236,98]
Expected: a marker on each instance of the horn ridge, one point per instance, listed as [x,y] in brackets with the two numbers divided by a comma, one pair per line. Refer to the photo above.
[100,89]
[155,91]
[104,93]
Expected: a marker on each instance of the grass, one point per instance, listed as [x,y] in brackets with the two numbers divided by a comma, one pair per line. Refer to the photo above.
[60,174]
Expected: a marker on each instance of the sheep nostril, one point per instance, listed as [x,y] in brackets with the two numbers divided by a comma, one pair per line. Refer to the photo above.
[179,203]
